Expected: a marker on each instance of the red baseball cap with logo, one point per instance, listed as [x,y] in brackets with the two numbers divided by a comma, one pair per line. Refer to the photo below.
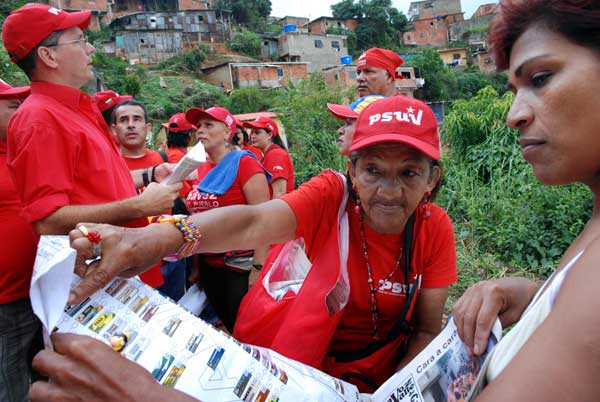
[107,99]
[214,113]
[8,92]
[380,58]
[264,123]
[27,26]
[178,123]
[398,119]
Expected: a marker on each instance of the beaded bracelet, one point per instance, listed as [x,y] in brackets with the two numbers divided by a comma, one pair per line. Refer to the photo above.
[189,230]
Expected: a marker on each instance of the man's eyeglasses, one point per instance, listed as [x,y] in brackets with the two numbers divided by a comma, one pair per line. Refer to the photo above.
[81,41]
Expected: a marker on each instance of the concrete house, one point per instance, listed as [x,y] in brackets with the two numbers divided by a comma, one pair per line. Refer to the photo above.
[319,50]
[322,24]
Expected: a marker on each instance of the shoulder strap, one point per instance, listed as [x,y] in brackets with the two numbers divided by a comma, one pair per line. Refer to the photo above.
[163,155]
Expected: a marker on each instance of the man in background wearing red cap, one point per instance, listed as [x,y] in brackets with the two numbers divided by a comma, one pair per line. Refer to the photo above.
[179,134]
[61,154]
[377,72]
[20,330]
[106,102]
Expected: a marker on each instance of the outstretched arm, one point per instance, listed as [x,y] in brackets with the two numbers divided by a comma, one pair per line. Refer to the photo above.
[131,251]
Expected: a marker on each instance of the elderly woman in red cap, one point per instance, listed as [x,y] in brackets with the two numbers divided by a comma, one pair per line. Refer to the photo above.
[228,178]
[382,256]
[265,136]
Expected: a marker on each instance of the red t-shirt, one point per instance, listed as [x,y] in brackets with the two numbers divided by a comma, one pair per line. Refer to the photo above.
[256,151]
[174,154]
[18,238]
[316,204]
[278,162]
[60,152]
[197,201]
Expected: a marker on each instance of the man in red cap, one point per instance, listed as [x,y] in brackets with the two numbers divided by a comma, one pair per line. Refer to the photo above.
[377,72]
[20,330]
[64,162]
[179,135]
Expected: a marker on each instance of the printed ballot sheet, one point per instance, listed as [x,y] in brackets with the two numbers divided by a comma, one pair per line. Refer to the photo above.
[183,352]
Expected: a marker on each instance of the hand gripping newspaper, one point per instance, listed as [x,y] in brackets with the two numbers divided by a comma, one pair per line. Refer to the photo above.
[183,352]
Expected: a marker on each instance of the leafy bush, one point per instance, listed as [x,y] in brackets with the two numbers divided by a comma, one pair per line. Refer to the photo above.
[247,42]
[118,75]
[252,99]
[189,61]
[492,195]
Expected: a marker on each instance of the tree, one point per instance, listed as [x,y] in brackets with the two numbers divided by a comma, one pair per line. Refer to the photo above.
[379,24]
[252,13]
[247,42]
[440,81]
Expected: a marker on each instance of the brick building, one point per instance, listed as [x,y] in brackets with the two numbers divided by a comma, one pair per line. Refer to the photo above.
[322,24]
[231,75]
[430,21]
[319,50]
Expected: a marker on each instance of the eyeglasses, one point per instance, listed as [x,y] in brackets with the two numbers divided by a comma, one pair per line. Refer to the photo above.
[81,41]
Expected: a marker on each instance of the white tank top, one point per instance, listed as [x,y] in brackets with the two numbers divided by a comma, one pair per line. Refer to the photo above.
[534,315]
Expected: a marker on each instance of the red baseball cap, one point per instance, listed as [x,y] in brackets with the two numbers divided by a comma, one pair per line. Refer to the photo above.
[177,123]
[344,112]
[8,92]
[398,119]
[264,123]
[214,113]
[27,26]
[107,99]
[380,58]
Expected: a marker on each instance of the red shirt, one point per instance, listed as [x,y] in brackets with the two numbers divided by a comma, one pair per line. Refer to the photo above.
[316,204]
[256,151]
[18,238]
[278,162]
[197,201]
[174,154]
[62,153]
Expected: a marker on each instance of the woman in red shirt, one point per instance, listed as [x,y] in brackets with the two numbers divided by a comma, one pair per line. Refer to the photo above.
[265,136]
[228,178]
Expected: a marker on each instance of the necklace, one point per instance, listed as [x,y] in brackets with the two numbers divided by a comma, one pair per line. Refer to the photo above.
[372,287]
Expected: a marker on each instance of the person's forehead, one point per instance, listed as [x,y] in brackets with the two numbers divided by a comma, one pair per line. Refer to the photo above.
[373,69]
[72,33]
[129,110]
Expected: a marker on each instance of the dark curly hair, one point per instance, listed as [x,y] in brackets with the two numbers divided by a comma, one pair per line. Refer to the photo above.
[577,20]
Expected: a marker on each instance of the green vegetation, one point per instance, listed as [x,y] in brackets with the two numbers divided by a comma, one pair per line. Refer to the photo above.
[378,22]
[247,42]
[251,13]
[495,202]
[189,61]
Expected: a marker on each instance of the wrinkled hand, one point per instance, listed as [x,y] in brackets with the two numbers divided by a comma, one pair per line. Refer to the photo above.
[477,309]
[163,171]
[158,198]
[84,369]
[125,252]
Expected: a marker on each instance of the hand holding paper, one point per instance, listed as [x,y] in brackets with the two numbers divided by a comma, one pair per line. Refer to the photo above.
[188,164]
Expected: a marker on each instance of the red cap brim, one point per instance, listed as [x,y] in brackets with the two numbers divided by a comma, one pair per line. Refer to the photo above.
[421,146]
[15,93]
[342,112]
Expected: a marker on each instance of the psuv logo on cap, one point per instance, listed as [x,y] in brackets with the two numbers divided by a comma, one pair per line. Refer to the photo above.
[54,11]
[362,59]
[409,116]
[229,120]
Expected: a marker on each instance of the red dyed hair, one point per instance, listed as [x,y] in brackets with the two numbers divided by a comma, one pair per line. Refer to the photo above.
[577,20]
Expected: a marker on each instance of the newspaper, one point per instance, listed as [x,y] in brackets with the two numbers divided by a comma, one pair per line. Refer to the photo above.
[187,165]
[183,352]
[443,372]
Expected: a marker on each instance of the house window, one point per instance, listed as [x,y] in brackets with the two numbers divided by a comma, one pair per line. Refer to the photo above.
[265,43]
[279,72]
[408,37]
[200,18]
[318,43]
[335,44]
[455,56]
[406,74]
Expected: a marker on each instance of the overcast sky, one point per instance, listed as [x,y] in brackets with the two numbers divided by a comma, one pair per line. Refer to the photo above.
[318,8]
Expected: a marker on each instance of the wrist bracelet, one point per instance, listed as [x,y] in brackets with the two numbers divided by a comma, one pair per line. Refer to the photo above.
[257,267]
[152,176]
[145,177]
[189,230]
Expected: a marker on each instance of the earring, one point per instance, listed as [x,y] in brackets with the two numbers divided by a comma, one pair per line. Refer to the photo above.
[425,205]
[357,207]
